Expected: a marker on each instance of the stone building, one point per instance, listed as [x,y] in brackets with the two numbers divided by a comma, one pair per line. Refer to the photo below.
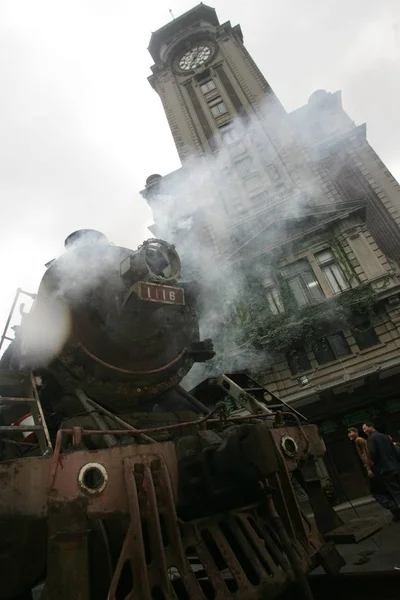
[303,204]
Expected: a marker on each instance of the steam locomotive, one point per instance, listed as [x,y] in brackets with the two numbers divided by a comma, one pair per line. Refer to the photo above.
[114,322]
[136,494]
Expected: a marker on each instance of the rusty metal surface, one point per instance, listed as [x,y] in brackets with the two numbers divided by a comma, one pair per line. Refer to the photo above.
[307,440]
[226,556]
[24,483]
[235,554]
[68,563]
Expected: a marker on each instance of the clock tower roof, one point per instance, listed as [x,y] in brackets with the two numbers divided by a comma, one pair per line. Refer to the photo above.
[201,12]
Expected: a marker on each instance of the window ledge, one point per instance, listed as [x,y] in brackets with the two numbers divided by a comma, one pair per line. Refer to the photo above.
[337,360]
[302,374]
[222,119]
[319,368]
[211,94]
[371,349]
[249,175]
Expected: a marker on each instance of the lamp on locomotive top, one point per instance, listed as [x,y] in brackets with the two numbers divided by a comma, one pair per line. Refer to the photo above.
[149,272]
[154,261]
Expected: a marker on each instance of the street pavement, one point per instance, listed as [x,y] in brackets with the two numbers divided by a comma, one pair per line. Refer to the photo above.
[380,552]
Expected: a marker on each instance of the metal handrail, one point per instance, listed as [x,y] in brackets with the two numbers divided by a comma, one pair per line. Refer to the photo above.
[11,313]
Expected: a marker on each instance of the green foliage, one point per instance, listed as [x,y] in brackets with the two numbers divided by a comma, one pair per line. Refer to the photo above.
[309,324]
[296,325]
[230,405]
[249,327]
[343,260]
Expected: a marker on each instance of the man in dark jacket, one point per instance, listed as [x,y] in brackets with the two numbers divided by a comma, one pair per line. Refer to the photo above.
[376,485]
[385,460]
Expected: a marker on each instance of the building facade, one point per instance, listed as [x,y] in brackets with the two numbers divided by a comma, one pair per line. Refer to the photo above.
[303,207]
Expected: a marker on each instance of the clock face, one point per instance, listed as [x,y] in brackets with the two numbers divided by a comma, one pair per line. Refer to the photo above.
[195,57]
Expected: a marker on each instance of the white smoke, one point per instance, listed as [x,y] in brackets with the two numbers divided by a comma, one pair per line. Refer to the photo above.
[71,280]
[205,210]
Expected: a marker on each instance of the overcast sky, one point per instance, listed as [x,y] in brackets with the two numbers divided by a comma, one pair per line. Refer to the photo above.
[81,128]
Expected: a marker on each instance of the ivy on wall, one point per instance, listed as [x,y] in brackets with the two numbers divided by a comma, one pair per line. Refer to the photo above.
[248,330]
[308,324]
[343,260]
[254,323]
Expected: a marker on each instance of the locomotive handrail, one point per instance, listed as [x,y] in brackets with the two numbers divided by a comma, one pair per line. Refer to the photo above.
[10,315]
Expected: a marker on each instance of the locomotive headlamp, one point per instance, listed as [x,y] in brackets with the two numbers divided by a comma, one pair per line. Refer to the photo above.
[162,260]
[154,261]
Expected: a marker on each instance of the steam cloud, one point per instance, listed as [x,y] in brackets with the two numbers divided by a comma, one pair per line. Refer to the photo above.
[204,195]
[75,277]
[202,210]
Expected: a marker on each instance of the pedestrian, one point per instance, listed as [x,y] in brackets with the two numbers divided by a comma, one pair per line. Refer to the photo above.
[386,463]
[361,447]
[376,485]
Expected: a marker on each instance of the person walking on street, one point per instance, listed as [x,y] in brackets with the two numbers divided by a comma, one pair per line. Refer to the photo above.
[361,447]
[385,462]
[376,485]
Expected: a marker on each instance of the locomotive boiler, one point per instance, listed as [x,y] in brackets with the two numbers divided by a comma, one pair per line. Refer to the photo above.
[117,484]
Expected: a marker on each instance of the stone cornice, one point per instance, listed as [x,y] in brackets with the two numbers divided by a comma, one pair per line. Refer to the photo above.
[323,149]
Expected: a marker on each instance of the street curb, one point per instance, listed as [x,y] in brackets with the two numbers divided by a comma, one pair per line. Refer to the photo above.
[354,503]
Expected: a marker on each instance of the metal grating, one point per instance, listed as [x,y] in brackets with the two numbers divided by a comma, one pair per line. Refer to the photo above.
[163,558]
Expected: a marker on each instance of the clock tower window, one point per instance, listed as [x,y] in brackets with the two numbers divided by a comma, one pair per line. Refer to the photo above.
[234,98]
[207,86]
[217,107]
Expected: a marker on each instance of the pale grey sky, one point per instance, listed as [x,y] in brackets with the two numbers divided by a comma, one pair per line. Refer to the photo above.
[81,128]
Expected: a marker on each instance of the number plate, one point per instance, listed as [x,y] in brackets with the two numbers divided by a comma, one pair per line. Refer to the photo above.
[165,294]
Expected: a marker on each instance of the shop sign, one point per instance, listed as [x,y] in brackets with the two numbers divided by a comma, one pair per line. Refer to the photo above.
[392,406]
[360,416]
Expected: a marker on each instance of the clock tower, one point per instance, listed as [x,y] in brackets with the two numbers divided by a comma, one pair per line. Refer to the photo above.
[240,156]
[247,164]
[206,79]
